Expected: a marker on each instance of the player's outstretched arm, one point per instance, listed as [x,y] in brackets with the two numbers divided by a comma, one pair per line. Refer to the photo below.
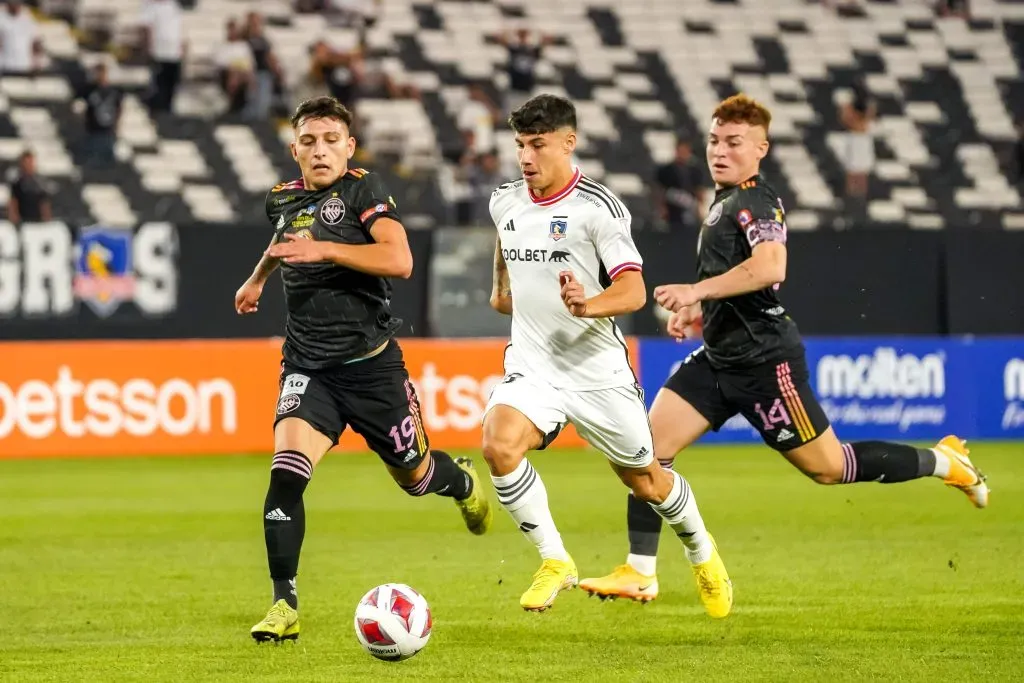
[765,267]
[387,256]
[626,294]
[501,288]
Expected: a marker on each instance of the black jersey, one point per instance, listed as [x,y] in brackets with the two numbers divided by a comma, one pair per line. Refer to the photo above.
[753,328]
[335,314]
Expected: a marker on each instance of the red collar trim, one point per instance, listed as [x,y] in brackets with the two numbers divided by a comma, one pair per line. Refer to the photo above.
[561,194]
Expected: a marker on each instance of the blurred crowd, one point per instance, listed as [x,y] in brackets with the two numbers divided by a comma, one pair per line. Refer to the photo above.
[255,87]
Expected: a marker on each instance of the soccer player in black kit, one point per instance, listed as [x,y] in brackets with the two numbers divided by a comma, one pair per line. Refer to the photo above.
[337,239]
[752,361]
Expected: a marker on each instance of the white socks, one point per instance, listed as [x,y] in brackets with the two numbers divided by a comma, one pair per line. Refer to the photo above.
[941,464]
[645,564]
[680,512]
[522,493]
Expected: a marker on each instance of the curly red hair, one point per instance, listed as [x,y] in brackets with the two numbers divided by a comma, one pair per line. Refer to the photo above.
[743,109]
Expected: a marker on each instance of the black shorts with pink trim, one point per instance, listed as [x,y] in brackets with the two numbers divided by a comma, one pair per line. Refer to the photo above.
[775,398]
[374,396]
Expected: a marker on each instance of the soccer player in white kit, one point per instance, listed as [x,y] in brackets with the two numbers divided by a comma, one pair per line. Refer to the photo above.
[564,266]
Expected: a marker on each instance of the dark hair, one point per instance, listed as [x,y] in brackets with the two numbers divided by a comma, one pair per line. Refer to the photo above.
[543,114]
[321,108]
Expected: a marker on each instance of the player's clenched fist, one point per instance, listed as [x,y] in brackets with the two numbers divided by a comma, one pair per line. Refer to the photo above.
[687,323]
[675,297]
[247,298]
[676,326]
[572,293]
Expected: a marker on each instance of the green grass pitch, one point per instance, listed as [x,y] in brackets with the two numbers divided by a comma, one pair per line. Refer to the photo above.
[154,570]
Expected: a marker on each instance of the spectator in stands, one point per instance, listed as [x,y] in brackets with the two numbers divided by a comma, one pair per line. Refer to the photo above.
[235,63]
[30,199]
[379,79]
[21,49]
[954,8]
[461,193]
[680,188]
[339,71]
[102,114]
[479,114]
[164,42]
[266,69]
[484,176]
[857,115]
[524,51]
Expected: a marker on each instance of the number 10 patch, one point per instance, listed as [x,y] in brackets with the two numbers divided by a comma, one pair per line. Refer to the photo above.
[294,384]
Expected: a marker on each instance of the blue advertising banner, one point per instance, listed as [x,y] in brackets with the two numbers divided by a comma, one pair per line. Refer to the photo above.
[918,389]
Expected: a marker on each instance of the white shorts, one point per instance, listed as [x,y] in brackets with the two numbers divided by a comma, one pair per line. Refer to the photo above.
[614,421]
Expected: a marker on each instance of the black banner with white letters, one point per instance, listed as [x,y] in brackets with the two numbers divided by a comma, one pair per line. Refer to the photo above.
[874,282]
[160,281]
[157,281]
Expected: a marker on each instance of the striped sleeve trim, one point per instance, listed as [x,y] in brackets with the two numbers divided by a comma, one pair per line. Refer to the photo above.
[623,267]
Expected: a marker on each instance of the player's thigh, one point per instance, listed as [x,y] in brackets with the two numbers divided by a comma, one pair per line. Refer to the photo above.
[675,424]
[307,418]
[381,404]
[614,421]
[777,400]
[522,414]
[689,404]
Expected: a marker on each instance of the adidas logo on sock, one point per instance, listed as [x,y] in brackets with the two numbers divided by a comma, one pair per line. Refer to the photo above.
[276,515]
[527,527]
[784,434]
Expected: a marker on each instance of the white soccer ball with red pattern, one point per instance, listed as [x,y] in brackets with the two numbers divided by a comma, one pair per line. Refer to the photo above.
[393,622]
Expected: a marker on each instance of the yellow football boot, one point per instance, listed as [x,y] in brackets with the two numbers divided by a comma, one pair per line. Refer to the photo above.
[713,584]
[963,474]
[623,582]
[475,508]
[553,577]
[281,623]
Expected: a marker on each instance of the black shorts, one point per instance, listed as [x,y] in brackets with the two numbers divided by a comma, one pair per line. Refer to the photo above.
[775,398]
[374,396]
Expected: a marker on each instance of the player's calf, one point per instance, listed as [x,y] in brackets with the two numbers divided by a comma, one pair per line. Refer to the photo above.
[284,521]
[437,473]
[827,461]
[440,474]
[679,509]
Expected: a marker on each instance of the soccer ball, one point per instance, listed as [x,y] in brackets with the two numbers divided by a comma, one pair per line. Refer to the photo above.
[393,622]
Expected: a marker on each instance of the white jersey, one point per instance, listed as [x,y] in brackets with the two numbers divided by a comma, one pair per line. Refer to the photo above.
[585,229]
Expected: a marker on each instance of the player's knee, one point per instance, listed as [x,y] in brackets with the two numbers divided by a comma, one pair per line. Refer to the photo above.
[826,476]
[651,485]
[407,480]
[502,455]
[643,488]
